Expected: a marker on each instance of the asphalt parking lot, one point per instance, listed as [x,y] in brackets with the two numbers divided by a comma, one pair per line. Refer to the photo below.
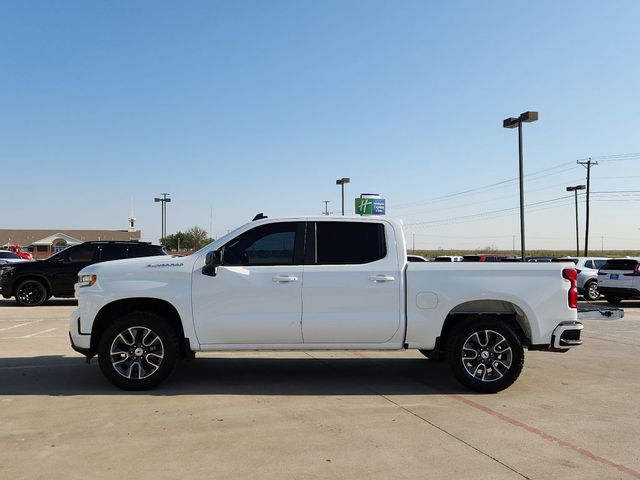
[350,415]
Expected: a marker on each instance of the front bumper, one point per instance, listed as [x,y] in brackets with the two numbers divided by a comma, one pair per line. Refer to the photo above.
[80,342]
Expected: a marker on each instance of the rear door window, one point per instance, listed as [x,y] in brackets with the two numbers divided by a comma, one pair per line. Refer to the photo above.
[113,251]
[145,250]
[620,264]
[349,243]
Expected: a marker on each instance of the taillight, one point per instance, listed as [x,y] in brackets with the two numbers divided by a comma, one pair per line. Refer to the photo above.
[571,275]
[578,270]
[636,270]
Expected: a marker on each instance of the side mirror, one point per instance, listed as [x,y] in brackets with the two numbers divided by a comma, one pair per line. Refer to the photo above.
[212,261]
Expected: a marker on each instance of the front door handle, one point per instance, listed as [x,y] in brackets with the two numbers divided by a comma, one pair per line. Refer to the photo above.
[284,279]
[381,278]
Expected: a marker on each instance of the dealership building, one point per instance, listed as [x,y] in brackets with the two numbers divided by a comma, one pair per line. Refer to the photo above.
[43,243]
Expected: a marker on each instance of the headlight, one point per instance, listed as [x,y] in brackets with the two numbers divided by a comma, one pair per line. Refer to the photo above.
[6,269]
[86,280]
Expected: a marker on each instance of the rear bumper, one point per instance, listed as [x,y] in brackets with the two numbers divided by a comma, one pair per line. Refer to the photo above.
[567,335]
[619,292]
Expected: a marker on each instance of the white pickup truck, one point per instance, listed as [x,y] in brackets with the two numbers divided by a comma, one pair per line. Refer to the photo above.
[322,283]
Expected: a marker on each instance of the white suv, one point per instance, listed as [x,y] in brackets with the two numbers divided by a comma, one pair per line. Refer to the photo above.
[587,268]
[619,279]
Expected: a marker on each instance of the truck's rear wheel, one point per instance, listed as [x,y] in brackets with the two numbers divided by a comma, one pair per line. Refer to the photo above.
[486,355]
[138,351]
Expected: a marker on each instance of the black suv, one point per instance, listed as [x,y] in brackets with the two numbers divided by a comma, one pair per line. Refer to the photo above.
[33,283]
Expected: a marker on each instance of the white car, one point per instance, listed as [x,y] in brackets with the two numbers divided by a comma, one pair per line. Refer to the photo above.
[7,257]
[619,279]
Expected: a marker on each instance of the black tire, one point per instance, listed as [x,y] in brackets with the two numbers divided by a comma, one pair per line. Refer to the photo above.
[31,293]
[591,291]
[433,355]
[614,300]
[138,351]
[495,366]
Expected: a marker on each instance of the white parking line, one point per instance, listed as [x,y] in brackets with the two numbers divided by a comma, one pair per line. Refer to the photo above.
[38,333]
[19,325]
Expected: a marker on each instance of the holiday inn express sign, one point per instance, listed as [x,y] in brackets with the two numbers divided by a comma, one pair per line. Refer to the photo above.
[370,204]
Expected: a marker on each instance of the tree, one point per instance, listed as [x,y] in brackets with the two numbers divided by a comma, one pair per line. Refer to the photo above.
[193,239]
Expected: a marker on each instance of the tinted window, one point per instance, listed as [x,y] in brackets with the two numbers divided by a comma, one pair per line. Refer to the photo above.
[80,254]
[599,263]
[588,264]
[145,250]
[113,251]
[9,255]
[342,243]
[265,245]
[620,264]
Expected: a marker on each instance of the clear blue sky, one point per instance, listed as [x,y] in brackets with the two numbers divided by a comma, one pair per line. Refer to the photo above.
[241,107]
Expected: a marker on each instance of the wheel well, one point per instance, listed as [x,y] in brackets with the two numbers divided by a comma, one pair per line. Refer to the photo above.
[505,311]
[116,309]
[38,278]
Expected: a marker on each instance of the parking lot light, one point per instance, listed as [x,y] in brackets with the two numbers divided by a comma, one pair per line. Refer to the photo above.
[342,181]
[575,189]
[513,122]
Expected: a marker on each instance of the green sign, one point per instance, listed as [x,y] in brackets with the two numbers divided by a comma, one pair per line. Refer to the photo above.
[370,206]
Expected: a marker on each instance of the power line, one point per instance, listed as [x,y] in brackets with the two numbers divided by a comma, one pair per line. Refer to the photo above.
[486,187]
[483,214]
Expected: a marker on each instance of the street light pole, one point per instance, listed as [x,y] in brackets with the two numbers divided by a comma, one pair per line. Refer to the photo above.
[164,200]
[513,122]
[342,181]
[575,189]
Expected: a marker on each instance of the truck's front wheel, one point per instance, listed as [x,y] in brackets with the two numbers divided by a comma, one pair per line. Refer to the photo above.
[486,355]
[138,351]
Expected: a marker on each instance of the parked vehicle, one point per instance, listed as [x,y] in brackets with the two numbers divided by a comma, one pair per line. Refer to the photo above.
[619,279]
[33,283]
[246,291]
[487,257]
[448,258]
[539,259]
[7,256]
[22,252]
[416,258]
[587,268]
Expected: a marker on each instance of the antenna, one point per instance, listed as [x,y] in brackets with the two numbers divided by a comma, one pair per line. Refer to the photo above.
[132,219]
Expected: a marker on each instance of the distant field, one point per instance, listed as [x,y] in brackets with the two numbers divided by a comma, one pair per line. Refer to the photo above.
[532,253]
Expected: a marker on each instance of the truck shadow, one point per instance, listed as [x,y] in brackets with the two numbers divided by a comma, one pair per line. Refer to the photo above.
[66,376]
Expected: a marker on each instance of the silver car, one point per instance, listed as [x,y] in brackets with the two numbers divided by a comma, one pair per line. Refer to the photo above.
[587,268]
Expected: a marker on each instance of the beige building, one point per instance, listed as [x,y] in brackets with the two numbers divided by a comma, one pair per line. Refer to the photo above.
[47,242]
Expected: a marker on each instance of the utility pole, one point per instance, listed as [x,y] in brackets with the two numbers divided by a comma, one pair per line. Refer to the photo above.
[414,243]
[588,164]
[326,206]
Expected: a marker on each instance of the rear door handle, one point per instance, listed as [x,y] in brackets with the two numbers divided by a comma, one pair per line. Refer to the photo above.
[381,278]
[284,279]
